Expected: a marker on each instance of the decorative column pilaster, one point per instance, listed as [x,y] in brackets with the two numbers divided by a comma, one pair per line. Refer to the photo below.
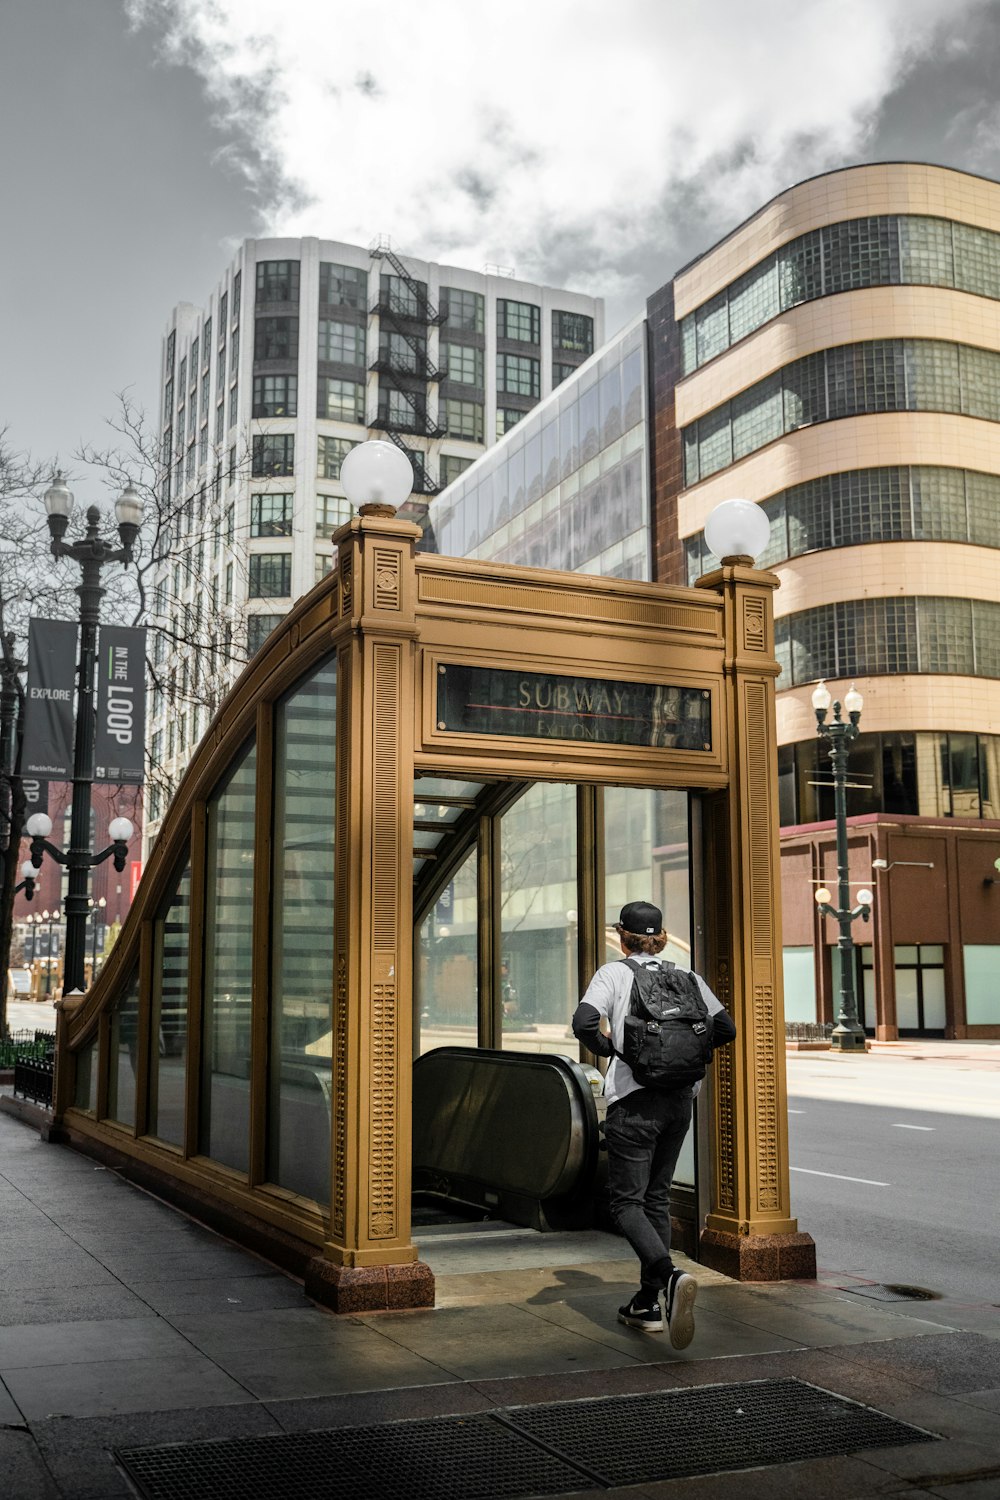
[750,1232]
[369,1261]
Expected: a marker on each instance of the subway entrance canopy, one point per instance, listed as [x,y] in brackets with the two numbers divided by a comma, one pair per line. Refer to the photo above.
[247,1051]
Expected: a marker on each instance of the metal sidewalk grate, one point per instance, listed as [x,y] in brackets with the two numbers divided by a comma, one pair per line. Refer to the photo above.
[520,1451]
[437,1458]
[885,1291]
[676,1434]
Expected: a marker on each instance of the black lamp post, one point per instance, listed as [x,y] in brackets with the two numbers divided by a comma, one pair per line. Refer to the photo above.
[93,553]
[848,1034]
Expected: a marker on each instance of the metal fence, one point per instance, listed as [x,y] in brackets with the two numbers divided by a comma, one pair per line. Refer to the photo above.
[24,1044]
[33,1079]
[808,1031]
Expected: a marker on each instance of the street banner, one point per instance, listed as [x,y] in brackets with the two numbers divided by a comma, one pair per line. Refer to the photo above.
[121,705]
[36,795]
[47,749]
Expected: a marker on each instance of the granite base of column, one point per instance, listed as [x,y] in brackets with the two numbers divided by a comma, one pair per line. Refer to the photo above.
[759,1257]
[363,1289]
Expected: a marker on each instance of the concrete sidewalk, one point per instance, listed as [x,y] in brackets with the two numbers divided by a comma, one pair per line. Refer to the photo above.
[124,1324]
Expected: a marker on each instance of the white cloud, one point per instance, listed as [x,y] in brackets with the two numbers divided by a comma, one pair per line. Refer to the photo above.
[563,137]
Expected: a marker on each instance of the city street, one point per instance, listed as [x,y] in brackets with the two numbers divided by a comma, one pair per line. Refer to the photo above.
[895,1171]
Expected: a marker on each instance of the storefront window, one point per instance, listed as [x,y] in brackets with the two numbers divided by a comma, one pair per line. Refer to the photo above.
[123,1060]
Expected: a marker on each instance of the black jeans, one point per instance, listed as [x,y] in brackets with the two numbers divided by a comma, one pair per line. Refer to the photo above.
[645,1132]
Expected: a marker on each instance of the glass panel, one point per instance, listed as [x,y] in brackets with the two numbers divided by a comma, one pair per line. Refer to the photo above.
[907,1010]
[539,981]
[302,937]
[800,984]
[982,984]
[123,1052]
[935,1011]
[646,858]
[85,1096]
[931,953]
[225,1083]
[447,977]
[169,1019]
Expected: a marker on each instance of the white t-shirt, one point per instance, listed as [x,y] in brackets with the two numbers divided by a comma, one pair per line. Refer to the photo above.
[610,993]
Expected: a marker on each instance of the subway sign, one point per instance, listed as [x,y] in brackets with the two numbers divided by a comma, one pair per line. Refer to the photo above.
[599,710]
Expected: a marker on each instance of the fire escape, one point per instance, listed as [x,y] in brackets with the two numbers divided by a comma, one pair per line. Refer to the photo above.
[404,370]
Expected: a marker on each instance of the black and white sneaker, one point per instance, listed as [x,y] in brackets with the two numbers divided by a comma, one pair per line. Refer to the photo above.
[646,1319]
[679,1295]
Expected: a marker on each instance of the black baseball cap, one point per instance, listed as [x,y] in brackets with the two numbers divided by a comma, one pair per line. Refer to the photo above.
[642,918]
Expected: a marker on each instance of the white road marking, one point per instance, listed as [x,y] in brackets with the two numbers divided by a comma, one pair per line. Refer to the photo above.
[931,1128]
[796,1111]
[840,1177]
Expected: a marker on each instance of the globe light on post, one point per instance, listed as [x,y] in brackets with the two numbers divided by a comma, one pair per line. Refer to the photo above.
[865,896]
[377,478]
[821,896]
[121,830]
[737,531]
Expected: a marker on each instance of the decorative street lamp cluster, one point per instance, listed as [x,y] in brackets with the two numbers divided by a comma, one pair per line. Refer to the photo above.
[93,553]
[848,1034]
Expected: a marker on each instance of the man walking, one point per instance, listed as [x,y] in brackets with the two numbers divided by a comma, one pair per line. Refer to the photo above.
[645,1126]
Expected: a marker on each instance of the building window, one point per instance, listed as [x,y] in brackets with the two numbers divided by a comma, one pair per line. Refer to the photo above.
[408,299]
[234,354]
[331,511]
[845,381]
[518,374]
[451,466]
[233,405]
[324,565]
[340,400]
[332,452]
[220,421]
[182,381]
[404,410]
[229,583]
[278,281]
[463,419]
[343,286]
[518,320]
[194,363]
[271,515]
[465,310]
[275,395]
[276,338]
[273,453]
[206,384]
[270,575]
[259,627]
[206,344]
[237,284]
[341,343]
[574,331]
[407,356]
[561,373]
[507,417]
[463,363]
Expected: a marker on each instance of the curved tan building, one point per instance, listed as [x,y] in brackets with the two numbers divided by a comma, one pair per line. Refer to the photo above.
[837,360]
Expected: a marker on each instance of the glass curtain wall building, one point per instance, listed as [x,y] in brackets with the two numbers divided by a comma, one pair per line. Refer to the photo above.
[568,488]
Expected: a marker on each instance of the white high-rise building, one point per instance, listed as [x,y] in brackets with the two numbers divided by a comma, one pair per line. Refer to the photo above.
[305,348]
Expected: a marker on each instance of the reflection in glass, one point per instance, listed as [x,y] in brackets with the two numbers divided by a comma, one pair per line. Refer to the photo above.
[539,986]
[447,976]
[85,1094]
[301,1048]
[646,858]
[123,1054]
[225,1082]
[169,1015]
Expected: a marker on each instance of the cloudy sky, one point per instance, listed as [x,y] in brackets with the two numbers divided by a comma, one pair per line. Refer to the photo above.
[597,144]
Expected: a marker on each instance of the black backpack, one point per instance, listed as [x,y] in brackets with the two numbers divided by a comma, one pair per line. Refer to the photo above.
[668,1031]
